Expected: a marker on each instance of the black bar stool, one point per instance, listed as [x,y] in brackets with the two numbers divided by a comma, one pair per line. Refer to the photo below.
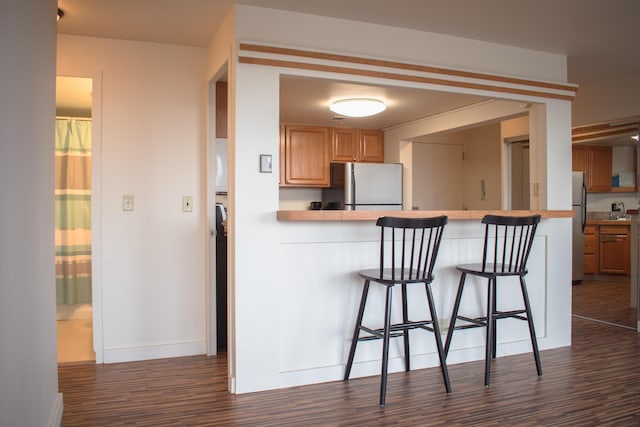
[507,245]
[410,259]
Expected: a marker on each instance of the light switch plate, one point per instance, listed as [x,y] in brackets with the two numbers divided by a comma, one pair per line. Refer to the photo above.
[127,202]
[265,163]
[187,203]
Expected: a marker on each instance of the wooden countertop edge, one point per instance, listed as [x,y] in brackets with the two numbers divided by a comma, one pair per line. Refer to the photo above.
[608,222]
[331,215]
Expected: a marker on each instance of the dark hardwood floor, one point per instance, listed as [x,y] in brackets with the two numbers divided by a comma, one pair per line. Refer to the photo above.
[594,382]
[607,301]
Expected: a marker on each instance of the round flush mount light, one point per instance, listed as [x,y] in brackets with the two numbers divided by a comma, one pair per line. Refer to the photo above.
[358,107]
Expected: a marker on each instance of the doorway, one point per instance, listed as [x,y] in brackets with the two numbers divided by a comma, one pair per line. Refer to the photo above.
[218,213]
[519,161]
[73,214]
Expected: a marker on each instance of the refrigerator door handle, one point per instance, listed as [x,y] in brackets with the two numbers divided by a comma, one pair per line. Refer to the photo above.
[353,186]
[584,206]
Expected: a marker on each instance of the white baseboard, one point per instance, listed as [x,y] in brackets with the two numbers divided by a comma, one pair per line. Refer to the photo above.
[56,415]
[160,351]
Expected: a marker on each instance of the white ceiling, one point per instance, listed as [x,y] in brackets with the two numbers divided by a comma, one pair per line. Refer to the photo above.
[599,37]
[307,100]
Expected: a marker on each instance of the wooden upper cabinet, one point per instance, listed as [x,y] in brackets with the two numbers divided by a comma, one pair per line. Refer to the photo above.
[345,145]
[357,145]
[306,156]
[596,162]
[372,146]
[579,158]
[599,169]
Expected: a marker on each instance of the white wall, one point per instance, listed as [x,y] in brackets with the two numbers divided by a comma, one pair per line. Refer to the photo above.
[28,369]
[152,281]
[269,299]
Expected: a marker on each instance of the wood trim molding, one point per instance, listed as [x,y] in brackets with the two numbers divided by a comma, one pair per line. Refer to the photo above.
[483,81]
[588,132]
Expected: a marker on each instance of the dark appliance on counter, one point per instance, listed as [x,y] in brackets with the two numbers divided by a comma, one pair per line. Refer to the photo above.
[364,186]
[221,278]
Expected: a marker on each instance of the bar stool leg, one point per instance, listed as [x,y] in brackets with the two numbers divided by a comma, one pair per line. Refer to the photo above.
[495,321]
[436,332]
[454,314]
[356,330]
[532,331]
[385,346]
[405,333]
[490,333]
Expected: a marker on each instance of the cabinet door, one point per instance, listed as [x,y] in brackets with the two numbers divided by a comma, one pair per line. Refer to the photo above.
[591,249]
[599,169]
[344,145]
[371,146]
[307,153]
[578,158]
[614,250]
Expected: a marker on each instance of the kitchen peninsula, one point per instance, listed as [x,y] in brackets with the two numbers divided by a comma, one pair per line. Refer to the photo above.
[327,248]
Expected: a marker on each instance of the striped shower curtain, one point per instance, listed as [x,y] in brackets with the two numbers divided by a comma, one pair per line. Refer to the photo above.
[73,211]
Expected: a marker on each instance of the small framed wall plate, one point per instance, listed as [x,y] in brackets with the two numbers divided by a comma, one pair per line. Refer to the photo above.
[266,165]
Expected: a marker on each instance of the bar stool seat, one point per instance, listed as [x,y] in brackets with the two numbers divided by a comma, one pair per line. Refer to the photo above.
[507,246]
[407,258]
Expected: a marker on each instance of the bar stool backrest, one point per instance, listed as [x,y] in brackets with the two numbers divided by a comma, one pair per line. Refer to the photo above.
[414,247]
[507,243]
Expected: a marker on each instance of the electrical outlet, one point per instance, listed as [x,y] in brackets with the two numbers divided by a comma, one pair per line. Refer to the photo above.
[127,202]
[187,203]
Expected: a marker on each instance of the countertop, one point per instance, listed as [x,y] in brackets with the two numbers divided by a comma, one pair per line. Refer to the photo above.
[621,222]
[339,215]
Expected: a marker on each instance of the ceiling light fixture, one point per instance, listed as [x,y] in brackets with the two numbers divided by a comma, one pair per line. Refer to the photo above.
[358,107]
[60,14]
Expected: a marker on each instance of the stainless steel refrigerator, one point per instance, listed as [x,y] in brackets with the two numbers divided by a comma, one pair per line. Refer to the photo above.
[364,186]
[579,205]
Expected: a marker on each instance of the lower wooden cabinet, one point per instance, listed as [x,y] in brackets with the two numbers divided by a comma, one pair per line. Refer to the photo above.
[615,250]
[591,241]
[607,249]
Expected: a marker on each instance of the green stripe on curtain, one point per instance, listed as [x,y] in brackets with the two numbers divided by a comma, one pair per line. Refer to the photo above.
[73,136]
[73,290]
[73,211]
[63,251]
